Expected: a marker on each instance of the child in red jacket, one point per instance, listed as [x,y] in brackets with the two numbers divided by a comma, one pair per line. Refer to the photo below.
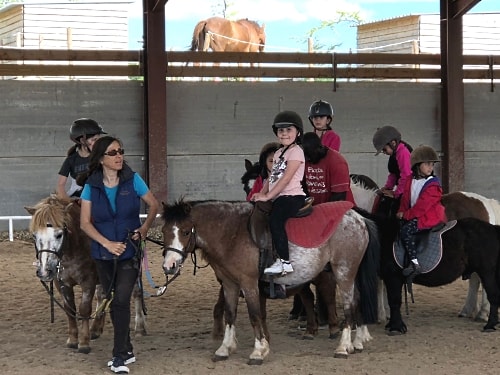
[421,206]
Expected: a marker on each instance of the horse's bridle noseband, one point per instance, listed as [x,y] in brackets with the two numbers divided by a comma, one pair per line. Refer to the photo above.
[190,247]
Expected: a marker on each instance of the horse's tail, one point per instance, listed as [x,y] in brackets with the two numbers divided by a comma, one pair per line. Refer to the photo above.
[367,276]
[198,36]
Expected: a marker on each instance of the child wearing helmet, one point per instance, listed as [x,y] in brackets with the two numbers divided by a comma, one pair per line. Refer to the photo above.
[266,164]
[387,139]
[284,186]
[84,133]
[321,117]
[421,206]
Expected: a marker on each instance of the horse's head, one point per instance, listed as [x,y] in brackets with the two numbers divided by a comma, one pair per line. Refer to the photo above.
[50,224]
[179,236]
[249,177]
[262,37]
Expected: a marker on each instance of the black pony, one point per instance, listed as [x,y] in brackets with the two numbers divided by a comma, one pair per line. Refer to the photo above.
[470,246]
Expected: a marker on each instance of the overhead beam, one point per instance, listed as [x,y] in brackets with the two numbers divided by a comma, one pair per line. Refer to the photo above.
[459,7]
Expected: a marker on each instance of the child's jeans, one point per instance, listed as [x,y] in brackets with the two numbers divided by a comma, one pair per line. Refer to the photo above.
[408,231]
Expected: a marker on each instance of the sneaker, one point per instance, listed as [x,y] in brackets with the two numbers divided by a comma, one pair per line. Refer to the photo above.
[279,267]
[118,366]
[413,270]
[127,361]
[287,267]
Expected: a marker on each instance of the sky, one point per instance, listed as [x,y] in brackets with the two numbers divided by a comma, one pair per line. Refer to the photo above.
[287,22]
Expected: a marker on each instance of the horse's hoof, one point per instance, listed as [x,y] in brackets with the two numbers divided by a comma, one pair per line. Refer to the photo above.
[253,362]
[307,336]
[84,350]
[394,333]
[72,345]
[95,336]
[489,329]
[334,336]
[341,355]
[218,358]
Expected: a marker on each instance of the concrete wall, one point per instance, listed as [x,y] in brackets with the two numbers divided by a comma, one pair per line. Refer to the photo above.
[214,126]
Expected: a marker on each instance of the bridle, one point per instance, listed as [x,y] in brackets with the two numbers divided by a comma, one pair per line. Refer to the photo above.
[49,288]
[189,249]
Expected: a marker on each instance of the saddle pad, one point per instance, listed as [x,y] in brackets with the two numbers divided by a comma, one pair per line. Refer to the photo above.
[315,229]
[429,248]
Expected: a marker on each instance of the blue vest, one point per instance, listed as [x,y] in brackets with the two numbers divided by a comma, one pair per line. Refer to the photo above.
[115,226]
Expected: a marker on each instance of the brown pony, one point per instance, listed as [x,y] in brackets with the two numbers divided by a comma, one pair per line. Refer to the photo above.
[222,35]
[219,230]
[62,251]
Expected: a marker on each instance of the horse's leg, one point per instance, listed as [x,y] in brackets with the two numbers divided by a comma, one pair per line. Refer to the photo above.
[218,314]
[362,336]
[261,344]
[263,315]
[229,343]
[140,318]
[492,288]
[326,288]
[97,326]
[68,297]
[470,308]
[85,310]
[393,281]
[383,304]
[307,297]
[484,307]
[345,284]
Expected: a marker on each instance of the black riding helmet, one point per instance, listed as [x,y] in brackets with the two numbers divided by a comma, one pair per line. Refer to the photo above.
[320,108]
[286,119]
[84,127]
[384,136]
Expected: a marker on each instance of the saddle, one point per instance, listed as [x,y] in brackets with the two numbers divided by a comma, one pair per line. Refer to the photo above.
[429,247]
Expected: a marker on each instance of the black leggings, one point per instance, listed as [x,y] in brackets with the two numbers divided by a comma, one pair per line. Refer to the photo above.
[408,232]
[284,207]
[125,274]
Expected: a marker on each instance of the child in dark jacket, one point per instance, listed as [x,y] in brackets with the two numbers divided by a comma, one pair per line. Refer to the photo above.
[420,206]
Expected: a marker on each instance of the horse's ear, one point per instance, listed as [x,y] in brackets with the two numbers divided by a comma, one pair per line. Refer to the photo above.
[248,165]
[31,210]
[263,26]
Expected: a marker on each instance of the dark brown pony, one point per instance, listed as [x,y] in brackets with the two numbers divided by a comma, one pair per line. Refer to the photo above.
[62,251]
[222,35]
[219,230]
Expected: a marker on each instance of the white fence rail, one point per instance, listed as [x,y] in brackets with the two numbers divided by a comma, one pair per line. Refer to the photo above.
[12,218]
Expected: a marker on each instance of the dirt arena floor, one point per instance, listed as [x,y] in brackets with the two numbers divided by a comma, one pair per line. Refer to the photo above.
[180,322]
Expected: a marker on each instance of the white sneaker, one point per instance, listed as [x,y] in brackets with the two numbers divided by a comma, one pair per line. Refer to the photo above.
[279,267]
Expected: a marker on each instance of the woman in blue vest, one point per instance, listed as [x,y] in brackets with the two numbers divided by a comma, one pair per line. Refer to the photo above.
[111,203]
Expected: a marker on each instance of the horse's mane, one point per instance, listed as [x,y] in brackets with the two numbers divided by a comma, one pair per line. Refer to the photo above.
[179,210]
[253,23]
[363,181]
[251,174]
[57,211]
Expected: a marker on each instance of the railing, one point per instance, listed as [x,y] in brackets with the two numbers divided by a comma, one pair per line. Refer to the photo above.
[12,218]
[39,62]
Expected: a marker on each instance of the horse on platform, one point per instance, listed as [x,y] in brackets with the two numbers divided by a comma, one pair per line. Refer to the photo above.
[62,251]
[222,35]
[220,230]
[468,245]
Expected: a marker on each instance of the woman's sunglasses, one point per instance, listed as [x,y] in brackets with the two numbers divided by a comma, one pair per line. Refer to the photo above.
[120,151]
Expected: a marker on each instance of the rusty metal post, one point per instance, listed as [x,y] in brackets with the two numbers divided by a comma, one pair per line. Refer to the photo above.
[155,97]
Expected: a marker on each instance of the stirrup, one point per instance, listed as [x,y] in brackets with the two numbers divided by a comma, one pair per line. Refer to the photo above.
[307,208]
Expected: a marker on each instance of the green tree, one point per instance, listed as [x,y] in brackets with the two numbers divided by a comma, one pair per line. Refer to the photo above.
[224,9]
[322,34]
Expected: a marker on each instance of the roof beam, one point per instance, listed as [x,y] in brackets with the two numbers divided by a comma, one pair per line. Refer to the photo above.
[459,7]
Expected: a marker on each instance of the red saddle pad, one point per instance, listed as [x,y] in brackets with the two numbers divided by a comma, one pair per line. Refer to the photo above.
[315,229]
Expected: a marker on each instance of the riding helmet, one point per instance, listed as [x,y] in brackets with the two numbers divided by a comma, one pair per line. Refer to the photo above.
[84,127]
[288,118]
[423,154]
[385,135]
[320,108]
